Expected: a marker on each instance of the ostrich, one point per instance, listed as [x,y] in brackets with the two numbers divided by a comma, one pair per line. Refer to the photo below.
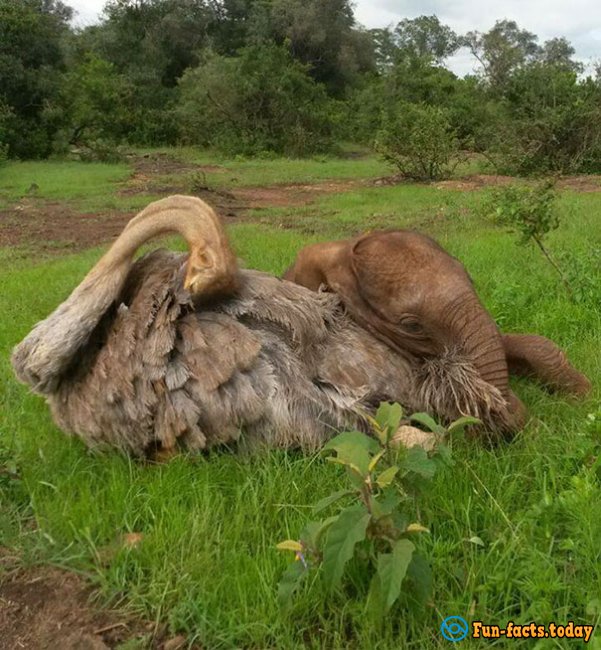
[178,351]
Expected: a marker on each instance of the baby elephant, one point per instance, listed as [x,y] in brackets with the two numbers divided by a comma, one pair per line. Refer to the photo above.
[419,300]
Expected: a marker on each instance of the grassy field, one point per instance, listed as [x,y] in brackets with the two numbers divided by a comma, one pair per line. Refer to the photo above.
[207,563]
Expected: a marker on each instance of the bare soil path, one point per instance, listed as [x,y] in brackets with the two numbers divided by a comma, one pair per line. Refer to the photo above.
[44,608]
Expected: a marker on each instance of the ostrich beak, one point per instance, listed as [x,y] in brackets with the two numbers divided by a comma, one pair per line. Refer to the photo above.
[191,281]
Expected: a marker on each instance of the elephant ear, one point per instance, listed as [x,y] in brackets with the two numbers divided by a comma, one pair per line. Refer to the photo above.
[385,263]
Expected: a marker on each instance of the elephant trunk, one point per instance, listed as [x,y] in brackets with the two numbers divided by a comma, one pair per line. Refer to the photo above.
[477,335]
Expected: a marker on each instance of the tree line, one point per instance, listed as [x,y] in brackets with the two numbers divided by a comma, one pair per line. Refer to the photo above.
[292,77]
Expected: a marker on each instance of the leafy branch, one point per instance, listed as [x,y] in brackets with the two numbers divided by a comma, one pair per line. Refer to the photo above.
[532,212]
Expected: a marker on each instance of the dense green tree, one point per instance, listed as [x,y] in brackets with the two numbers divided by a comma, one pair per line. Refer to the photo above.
[384,48]
[323,35]
[150,43]
[97,104]
[501,51]
[411,71]
[261,101]
[236,23]
[426,38]
[560,53]
[31,61]
[164,36]
[550,122]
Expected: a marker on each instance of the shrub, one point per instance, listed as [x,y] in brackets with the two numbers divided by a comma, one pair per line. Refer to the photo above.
[260,101]
[529,209]
[376,528]
[549,122]
[418,139]
[532,212]
[99,151]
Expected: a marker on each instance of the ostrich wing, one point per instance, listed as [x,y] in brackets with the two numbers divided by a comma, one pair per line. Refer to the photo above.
[138,381]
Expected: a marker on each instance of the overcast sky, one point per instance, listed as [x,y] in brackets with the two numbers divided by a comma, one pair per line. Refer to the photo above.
[578,20]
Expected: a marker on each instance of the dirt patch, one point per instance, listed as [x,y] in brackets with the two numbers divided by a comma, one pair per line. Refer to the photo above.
[466,184]
[43,608]
[588,183]
[475,182]
[162,164]
[53,226]
[150,170]
[290,195]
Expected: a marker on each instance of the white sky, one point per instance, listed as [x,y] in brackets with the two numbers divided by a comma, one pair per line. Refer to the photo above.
[578,20]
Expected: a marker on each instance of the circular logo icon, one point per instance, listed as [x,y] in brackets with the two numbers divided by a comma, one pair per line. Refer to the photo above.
[454,628]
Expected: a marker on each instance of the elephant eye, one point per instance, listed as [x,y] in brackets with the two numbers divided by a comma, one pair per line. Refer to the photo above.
[411,325]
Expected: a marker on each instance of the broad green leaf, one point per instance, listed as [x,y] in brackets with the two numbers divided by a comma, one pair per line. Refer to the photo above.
[352,466]
[290,545]
[290,580]
[416,460]
[428,421]
[312,532]
[420,575]
[387,476]
[389,416]
[476,540]
[322,504]
[354,438]
[462,423]
[349,528]
[385,504]
[391,570]
[353,448]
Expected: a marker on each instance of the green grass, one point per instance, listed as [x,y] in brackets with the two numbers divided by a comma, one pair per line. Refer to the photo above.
[207,563]
[246,172]
[60,180]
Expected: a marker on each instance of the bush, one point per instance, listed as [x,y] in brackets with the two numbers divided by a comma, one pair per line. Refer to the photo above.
[531,211]
[419,140]
[373,526]
[98,151]
[260,101]
[550,122]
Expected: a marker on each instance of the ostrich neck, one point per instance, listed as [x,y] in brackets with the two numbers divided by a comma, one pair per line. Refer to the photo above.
[44,355]
[151,224]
